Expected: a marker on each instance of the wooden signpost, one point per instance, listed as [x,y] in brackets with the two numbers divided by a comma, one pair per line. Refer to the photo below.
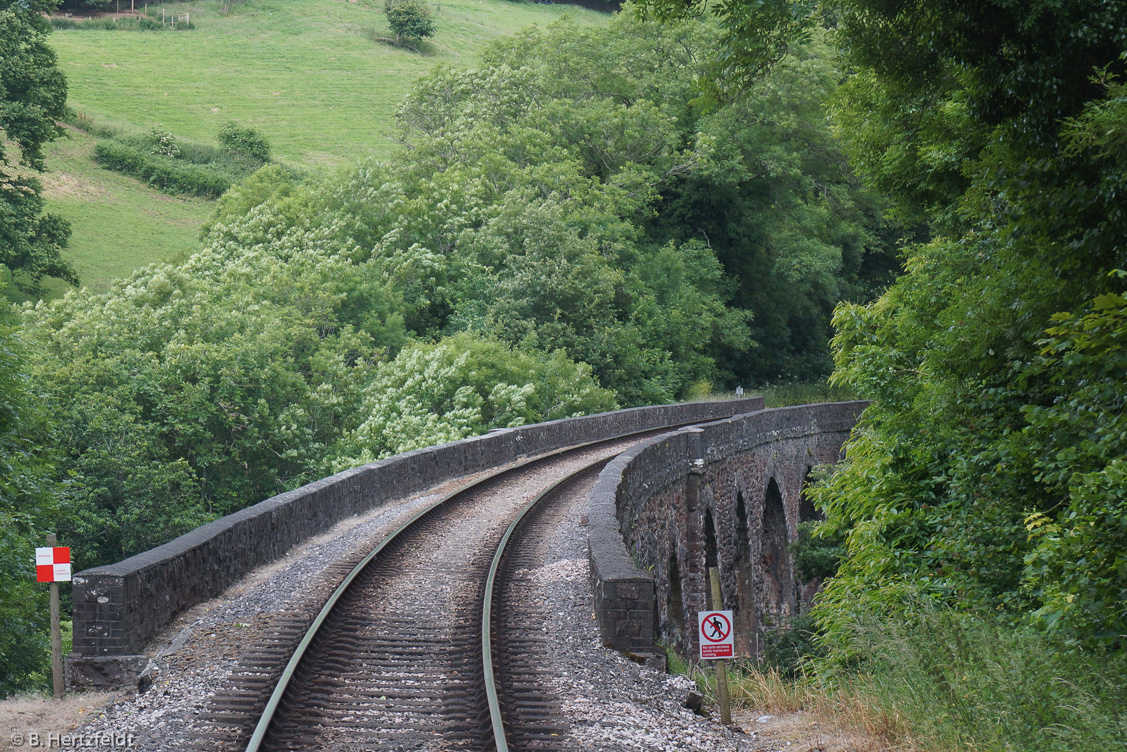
[52,564]
[717,643]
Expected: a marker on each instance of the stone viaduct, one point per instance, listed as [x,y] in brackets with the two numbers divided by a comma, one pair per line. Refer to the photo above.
[728,493]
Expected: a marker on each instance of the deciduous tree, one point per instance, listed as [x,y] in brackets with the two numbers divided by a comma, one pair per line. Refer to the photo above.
[32,98]
[987,474]
[409,19]
[27,505]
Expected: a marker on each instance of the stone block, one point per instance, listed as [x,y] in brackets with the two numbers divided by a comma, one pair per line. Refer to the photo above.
[104,672]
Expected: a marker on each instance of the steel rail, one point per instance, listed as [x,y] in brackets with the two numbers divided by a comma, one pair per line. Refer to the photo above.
[492,698]
[272,705]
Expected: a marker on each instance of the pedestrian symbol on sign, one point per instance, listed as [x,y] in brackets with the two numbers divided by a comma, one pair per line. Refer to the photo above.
[718,627]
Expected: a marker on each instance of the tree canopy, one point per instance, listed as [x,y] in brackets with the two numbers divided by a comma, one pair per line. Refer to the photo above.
[32,98]
[28,499]
[988,472]
[409,19]
[752,37]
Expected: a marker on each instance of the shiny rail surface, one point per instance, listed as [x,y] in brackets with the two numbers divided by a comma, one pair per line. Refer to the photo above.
[489,634]
[492,733]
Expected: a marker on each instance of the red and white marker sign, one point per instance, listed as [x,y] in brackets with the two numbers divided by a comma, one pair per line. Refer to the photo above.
[52,564]
[716,640]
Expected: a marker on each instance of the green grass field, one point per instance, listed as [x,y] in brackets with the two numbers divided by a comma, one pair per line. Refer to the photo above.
[118,223]
[305,73]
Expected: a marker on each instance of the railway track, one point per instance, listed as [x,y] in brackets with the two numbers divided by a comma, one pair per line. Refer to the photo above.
[514,626]
[409,653]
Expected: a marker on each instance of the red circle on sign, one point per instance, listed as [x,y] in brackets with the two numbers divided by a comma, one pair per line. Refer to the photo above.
[718,625]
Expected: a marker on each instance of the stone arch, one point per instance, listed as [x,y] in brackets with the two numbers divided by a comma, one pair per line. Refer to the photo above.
[711,550]
[806,509]
[675,602]
[745,616]
[775,559]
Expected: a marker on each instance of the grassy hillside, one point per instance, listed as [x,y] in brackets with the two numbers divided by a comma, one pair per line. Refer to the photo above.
[119,224]
[306,73]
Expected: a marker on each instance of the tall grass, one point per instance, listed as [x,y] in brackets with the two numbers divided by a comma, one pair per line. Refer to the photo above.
[125,23]
[783,395]
[84,122]
[951,682]
[968,684]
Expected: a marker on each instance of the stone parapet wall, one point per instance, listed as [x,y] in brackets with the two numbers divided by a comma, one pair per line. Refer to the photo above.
[663,512]
[119,606]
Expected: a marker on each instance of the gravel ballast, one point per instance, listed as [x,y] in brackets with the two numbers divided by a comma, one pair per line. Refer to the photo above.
[611,703]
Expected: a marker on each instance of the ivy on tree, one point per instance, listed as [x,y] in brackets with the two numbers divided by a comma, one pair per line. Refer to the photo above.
[32,97]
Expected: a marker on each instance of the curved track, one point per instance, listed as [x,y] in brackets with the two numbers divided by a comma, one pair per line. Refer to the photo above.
[513,628]
[395,660]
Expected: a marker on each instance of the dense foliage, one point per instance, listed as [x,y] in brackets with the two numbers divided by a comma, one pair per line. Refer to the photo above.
[557,145]
[181,167]
[191,390]
[409,19]
[32,97]
[779,205]
[752,38]
[248,142]
[26,506]
[462,386]
[989,471]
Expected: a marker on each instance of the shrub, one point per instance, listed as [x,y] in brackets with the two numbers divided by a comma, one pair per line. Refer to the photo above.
[177,166]
[163,143]
[817,553]
[786,649]
[171,175]
[197,153]
[246,141]
[462,386]
[409,19]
